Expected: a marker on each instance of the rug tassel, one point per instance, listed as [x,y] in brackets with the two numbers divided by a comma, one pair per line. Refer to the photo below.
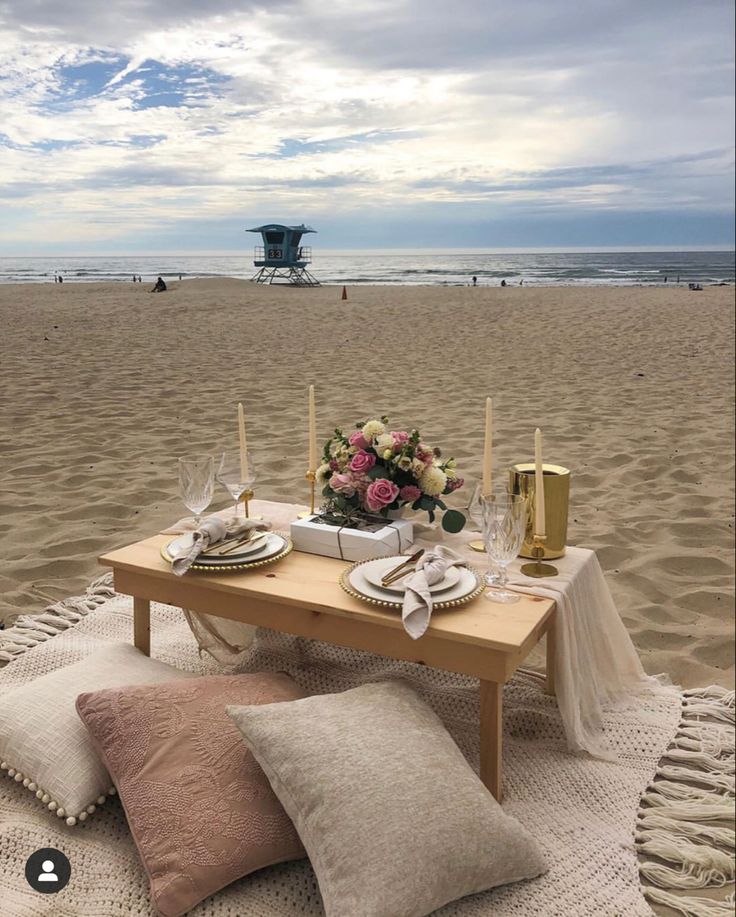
[691,906]
[719,809]
[699,865]
[702,760]
[30,630]
[713,702]
[722,838]
[720,782]
[661,792]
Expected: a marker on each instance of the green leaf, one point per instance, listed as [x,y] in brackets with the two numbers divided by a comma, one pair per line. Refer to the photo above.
[441,504]
[431,515]
[453,521]
[376,472]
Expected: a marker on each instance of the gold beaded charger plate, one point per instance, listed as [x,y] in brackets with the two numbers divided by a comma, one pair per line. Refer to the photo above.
[378,568]
[275,547]
[469,586]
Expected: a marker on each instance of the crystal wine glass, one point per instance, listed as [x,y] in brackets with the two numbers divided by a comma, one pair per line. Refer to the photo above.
[504,524]
[235,478]
[197,483]
[475,512]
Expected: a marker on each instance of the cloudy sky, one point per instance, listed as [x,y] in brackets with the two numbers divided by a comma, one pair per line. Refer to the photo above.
[173,125]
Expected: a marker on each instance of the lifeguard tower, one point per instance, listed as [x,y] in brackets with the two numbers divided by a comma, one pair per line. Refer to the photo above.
[282,257]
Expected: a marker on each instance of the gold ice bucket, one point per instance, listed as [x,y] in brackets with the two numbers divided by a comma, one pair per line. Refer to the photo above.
[556,501]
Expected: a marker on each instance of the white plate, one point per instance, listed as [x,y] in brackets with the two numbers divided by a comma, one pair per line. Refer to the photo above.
[274,544]
[380,567]
[467,583]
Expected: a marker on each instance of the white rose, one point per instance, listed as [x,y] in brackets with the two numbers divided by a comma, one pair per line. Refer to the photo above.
[417,468]
[383,442]
[323,473]
[404,462]
[433,481]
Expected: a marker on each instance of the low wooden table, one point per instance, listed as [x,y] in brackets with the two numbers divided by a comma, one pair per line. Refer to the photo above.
[301,595]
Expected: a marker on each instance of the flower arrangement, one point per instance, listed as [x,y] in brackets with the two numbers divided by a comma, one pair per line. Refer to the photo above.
[374,470]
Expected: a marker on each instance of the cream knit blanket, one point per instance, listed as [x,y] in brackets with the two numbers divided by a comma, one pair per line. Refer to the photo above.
[582,811]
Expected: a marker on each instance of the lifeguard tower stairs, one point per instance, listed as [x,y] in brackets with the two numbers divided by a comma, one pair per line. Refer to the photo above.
[282,258]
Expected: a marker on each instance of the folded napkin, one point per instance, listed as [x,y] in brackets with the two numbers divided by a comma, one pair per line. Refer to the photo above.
[431,568]
[212,530]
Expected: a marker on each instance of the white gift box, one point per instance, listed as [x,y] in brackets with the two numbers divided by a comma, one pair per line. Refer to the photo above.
[350,543]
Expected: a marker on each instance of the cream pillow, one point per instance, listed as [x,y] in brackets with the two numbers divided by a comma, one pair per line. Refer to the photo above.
[44,744]
[393,818]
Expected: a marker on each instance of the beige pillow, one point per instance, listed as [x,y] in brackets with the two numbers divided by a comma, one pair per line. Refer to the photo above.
[200,808]
[43,743]
[393,818]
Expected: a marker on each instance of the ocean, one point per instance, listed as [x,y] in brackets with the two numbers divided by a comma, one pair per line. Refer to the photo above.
[547,268]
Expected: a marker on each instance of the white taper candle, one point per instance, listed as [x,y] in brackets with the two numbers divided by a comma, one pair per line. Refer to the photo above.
[243,444]
[539,517]
[488,449]
[312,431]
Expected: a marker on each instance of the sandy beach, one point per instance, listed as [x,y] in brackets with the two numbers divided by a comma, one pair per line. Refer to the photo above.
[105,385]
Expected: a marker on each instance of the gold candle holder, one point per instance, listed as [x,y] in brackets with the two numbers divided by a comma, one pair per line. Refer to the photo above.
[311,476]
[539,570]
[246,496]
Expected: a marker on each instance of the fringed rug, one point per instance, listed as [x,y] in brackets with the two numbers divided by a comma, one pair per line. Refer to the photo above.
[592,818]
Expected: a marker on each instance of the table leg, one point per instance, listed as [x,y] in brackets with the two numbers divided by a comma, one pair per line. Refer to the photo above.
[491,735]
[142,625]
[551,654]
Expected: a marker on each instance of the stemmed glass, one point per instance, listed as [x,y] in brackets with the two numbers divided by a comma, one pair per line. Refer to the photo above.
[475,512]
[230,475]
[196,483]
[504,524]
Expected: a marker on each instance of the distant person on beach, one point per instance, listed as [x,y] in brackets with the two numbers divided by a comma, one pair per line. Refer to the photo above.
[179,276]
[521,282]
[159,286]
[503,283]
[475,281]
[61,279]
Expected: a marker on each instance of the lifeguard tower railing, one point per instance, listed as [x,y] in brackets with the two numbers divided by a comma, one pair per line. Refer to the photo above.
[274,255]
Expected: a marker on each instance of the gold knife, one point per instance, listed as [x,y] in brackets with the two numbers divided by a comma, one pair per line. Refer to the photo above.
[387,577]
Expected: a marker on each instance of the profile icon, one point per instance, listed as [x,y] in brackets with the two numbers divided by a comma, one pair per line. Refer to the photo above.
[48,870]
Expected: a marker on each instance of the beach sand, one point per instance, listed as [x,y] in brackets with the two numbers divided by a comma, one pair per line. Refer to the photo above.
[105,385]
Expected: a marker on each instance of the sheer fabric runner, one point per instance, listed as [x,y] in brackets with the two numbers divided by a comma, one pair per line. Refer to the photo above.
[597,666]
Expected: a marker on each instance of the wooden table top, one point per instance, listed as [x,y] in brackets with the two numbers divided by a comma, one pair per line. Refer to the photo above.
[311,582]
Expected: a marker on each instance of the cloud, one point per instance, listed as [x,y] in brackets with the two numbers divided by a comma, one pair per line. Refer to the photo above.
[169,113]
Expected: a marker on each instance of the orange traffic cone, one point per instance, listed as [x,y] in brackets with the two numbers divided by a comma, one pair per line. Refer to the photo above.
[344,293]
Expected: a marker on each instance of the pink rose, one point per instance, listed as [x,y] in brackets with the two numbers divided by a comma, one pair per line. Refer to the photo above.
[362,462]
[456,484]
[400,439]
[343,484]
[334,466]
[380,494]
[409,493]
[357,439]
[425,454]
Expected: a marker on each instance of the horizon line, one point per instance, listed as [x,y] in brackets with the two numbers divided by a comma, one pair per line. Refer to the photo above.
[491,250]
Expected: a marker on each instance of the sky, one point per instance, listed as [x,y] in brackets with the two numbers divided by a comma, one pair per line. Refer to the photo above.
[175,125]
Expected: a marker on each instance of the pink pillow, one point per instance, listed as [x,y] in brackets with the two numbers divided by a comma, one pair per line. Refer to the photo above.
[200,809]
